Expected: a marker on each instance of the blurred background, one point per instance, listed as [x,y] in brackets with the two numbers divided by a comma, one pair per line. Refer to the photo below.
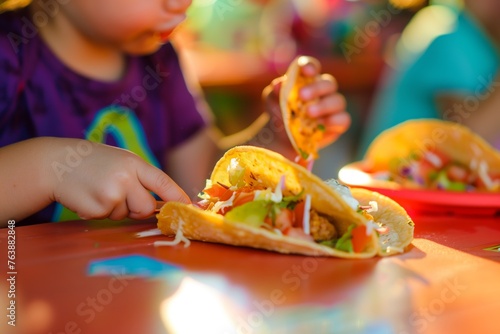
[234,48]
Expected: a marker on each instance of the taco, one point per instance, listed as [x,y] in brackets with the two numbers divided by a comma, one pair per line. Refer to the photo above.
[257,198]
[303,131]
[434,154]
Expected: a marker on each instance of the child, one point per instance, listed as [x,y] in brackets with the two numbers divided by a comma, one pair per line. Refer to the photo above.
[445,66]
[80,77]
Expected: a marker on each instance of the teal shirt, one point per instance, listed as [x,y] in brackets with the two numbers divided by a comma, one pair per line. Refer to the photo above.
[458,59]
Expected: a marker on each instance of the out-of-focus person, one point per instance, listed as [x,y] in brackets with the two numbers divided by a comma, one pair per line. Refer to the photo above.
[445,65]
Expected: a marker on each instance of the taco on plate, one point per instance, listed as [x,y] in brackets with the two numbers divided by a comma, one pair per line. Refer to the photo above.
[434,154]
[257,198]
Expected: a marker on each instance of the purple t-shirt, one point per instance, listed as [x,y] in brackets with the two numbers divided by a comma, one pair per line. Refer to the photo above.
[148,111]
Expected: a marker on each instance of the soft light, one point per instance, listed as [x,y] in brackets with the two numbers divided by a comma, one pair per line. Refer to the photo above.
[354,176]
[196,308]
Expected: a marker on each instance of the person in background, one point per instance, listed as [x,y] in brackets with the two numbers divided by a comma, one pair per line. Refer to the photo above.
[96,113]
[445,66]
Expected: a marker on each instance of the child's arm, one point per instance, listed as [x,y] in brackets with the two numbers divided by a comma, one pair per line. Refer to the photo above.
[94,180]
[482,116]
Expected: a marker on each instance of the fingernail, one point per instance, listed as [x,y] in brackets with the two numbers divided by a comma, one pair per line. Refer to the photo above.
[313,110]
[306,93]
[342,118]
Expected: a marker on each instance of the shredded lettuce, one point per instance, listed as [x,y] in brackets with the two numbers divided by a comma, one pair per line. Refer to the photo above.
[236,173]
[344,243]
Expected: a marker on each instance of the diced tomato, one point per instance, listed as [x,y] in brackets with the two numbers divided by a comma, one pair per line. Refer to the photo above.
[268,221]
[457,173]
[296,232]
[425,170]
[306,163]
[284,219]
[359,238]
[242,198]
[202,204]
[298,212]
[222,193]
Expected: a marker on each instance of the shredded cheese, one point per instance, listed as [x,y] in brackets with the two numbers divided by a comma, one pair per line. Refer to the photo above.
[370,226]
[277,196]
[434,159]
[179,237]
[148,233]
[223,204]
[307,215]
[373,206]
[392,249]
[483,175]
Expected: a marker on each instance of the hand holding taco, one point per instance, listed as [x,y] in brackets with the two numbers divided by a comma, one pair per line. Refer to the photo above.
[312,109]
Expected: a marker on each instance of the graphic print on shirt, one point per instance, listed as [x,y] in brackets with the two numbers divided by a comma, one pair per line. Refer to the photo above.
[124,127]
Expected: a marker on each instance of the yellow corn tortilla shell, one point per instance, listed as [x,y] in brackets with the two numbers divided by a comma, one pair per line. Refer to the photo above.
[266,168]
[396,144]
[392,215]
[303,131]
[197,224]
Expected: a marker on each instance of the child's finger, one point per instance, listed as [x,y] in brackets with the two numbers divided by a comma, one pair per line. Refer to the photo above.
[329,105]
[309,66]
[120,211]
[160,183]
[324,85]
[140,204]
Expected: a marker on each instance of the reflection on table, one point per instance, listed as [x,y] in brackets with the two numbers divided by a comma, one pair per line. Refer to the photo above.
[100,277]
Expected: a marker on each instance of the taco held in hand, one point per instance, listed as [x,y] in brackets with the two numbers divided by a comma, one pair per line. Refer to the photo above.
[257,198]
[434,154]
[305,133]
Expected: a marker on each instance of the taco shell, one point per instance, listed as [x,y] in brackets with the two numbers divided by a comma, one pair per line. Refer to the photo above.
[303,131]
[417,136]
[265,168]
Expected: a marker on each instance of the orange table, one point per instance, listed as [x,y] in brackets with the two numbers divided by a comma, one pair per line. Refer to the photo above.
[99,277]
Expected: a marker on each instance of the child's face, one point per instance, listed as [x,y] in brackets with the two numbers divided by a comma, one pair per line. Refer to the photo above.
[132,26]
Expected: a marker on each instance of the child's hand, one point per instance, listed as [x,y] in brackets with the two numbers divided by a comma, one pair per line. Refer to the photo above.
[99,181]
[328,105]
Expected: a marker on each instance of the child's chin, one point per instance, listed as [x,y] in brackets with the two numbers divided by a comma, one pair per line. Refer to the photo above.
[143,49]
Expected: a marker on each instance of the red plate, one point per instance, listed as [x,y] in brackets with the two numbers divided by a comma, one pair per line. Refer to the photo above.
[422,200]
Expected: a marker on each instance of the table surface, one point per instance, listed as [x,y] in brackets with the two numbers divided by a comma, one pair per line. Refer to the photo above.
[100,277]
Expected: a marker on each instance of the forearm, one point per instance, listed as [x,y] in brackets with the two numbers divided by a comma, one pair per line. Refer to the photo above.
[485,119]
[273,136]
[25,178]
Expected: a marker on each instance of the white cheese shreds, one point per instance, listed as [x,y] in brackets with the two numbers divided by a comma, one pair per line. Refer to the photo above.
[394,249]
[483,175]
[179,237]
[370,226]
[380,228]
[223,204]
[473,164]
[307,215]
[277,196]
[148,233]
[434,159]
[373,206]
